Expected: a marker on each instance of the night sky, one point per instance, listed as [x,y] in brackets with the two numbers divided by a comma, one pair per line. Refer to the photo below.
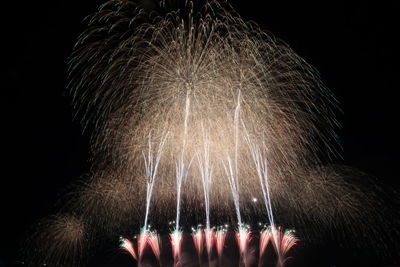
[351,43]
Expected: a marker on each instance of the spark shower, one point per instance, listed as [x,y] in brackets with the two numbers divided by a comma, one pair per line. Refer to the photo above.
[197,117]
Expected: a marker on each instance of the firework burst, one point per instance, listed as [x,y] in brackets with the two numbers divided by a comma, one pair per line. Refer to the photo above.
[166,86]
[209,79]
[60,240]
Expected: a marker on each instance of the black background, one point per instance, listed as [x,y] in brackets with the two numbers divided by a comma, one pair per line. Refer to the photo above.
[351,43]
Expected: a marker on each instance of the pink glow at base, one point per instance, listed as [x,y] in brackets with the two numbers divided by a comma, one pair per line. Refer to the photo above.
[142,242]
[243,238]
[220,237]
[176,242]
[198,240]
[265,238]
[282,241]
[153,241]
[210,239]
[127,245]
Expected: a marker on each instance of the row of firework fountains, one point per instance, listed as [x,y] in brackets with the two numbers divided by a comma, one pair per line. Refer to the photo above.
[208,238]
[281,241]
[199,92]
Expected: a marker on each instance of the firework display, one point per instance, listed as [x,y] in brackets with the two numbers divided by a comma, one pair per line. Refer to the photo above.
[197,114]
[281,242]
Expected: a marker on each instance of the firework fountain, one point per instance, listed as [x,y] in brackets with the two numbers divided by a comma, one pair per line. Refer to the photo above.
[127,245]
[220,242]
[198,240]
[198,112]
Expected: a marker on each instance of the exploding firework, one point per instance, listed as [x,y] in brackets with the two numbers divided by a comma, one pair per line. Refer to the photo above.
[210,80]
[107,202]
[60,240]
[196,113]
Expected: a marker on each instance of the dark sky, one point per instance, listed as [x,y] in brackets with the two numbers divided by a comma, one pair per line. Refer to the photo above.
[351,43]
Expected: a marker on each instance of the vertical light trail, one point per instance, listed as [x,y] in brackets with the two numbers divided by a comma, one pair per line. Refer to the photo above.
[232,171]
[229,170]
[205,169]
[206,175]
[261,164]
[181,171]
[236,122]
[151,163]
[181,174]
